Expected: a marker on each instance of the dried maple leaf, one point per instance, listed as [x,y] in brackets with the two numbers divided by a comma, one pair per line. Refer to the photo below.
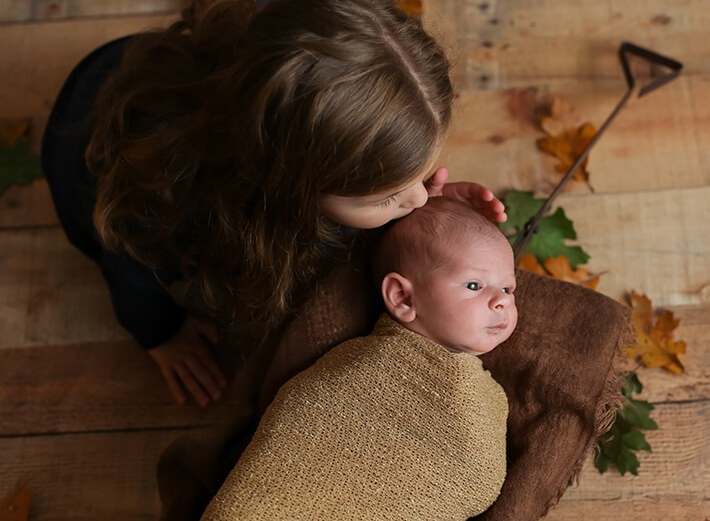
[529,262]
[16,507]
[559,268]
[655,346]
[567,147]
[410,7]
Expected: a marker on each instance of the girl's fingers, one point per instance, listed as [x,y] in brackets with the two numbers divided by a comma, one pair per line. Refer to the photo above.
[188,380]
[174,385]
[204,377]
[435,184]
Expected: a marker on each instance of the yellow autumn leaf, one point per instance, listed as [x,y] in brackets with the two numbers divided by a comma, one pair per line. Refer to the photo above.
[559,268]
[529,262]
[410,7]
[567,147]
[655,346]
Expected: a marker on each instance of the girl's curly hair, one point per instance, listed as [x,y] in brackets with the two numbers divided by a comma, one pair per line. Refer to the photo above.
[216,138]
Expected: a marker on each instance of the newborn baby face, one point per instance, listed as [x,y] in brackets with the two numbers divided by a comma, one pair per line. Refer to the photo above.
[468,303]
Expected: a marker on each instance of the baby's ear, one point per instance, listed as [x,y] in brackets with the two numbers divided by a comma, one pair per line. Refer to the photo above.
[398,294]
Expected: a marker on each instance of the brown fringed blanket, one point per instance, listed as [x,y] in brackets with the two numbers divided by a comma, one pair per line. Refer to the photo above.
[386,426]
[557,369]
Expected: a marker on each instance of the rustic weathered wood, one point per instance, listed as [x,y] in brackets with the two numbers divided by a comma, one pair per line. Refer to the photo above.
[27,206]
[86,476]
[36,10]
[653,242]
[50,292]
[673,480]
[43,54]
[512,44]
[659,141]
[90,386]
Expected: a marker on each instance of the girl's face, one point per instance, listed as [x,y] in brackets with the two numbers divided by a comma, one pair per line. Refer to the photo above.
[375,210]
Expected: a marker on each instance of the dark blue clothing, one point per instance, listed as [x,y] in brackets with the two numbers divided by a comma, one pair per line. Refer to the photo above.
[140,301]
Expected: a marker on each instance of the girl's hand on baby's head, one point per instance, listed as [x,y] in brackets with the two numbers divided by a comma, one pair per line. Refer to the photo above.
[478,196]
[187,363]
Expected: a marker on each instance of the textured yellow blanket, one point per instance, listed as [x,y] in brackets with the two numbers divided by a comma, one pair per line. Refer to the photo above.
[387,426]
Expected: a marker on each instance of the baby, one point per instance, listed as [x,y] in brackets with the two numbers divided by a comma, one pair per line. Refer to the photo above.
[404,423]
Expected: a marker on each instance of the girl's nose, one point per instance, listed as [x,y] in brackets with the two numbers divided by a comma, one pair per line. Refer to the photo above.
[415,197]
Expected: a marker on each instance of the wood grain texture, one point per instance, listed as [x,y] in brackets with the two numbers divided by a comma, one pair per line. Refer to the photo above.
[43,10]
[673,480]
[653,242]
[44,54]
[89,386]
[656,142]
[86,476]
[27,207]
[50,293]
[511,44]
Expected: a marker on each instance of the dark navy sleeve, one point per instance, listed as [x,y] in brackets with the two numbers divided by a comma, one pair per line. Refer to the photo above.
[140,301]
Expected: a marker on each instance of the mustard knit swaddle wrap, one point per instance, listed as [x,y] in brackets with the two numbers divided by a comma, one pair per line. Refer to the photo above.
[388,426]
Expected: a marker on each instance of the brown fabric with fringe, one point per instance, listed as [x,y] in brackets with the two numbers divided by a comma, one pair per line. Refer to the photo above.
[389,426]
[558,370]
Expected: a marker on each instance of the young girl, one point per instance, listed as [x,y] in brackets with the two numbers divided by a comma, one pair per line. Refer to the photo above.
[239,149]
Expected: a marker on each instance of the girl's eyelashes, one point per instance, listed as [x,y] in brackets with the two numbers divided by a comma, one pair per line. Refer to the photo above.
[386,202]
[509,290]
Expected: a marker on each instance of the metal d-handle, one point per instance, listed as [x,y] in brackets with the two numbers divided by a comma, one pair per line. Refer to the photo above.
[625,50]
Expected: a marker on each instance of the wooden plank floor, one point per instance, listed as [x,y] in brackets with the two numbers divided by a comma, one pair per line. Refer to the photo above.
[83,413]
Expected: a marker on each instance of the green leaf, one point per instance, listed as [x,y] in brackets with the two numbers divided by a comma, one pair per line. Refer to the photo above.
[553,230]
[617,447]
[627,462]
[631,385]
[601,462]
[636,413]
[18,165]
[636,440]
[520,206]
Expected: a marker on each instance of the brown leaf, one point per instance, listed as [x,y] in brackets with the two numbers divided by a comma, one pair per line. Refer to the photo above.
[522,103]
[410,7]
[16,507]
[529,262]
[567,147]
[655,346]
[559,268]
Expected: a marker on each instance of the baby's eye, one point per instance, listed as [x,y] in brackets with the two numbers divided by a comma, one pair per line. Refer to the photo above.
[473,286]
[508,290]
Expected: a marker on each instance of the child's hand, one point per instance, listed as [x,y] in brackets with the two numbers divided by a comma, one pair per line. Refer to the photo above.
[479,197]
[186,362]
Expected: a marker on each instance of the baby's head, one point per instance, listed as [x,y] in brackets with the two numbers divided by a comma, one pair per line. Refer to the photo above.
[448,273]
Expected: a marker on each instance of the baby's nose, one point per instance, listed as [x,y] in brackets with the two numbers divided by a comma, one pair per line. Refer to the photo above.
[501,301]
